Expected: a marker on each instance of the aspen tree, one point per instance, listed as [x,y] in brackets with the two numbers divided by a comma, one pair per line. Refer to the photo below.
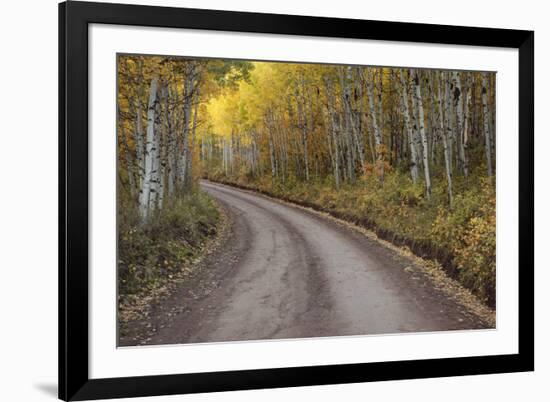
[375,127]
[458,107]
[445,139]
[421,129]
[408,127]
[486,124]
[147,186]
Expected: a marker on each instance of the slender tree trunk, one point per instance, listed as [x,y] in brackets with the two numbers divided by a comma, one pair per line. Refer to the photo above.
[417,142]
[334,139]
[127,155]
[271,146]
[158,161]
[375,128]
[486,129]
[448,119]
[432,129]
[188,92]
[170,144]
[466,128]
[138,139]
[490,91]
[380,95]
[302,121]
[147,186]
[422,132]
[193,136]
[344,122]
[351,121]
[408,128]
[458,106]
[444,138]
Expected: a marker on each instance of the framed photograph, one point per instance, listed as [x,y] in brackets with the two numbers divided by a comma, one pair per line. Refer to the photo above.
[257,201]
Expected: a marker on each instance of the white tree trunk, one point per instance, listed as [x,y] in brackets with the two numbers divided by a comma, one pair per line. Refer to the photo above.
[346,129]
[302,124]
[422,132]
[171,146]
[445,140]
[408,128]
[448,119]
[140,149]
[465,128]
[158,172]
[138,138]
[380,100]
[375,127]
[486,125]
[147,185]
[193,136]
[333,137]
[189,82]
[458,100]
[352,123]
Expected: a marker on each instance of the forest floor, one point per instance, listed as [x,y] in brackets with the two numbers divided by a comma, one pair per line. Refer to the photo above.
[278,270]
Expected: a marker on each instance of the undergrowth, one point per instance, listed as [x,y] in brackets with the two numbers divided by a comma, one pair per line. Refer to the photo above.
[150,253]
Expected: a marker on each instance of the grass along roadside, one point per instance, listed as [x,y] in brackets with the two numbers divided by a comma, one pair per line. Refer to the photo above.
[155,258]
[461,241]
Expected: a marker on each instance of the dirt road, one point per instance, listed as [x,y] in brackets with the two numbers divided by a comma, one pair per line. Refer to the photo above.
[285,272]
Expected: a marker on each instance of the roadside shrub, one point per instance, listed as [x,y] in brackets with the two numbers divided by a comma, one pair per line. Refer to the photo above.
[476,248]
[149,253]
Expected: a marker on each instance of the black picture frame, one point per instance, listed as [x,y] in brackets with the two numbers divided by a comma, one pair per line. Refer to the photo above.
[74,18]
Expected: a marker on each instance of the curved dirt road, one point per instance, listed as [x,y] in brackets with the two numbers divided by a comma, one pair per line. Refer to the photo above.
[285,272]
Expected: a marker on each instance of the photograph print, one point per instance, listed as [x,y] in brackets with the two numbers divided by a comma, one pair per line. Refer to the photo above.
[271,200]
